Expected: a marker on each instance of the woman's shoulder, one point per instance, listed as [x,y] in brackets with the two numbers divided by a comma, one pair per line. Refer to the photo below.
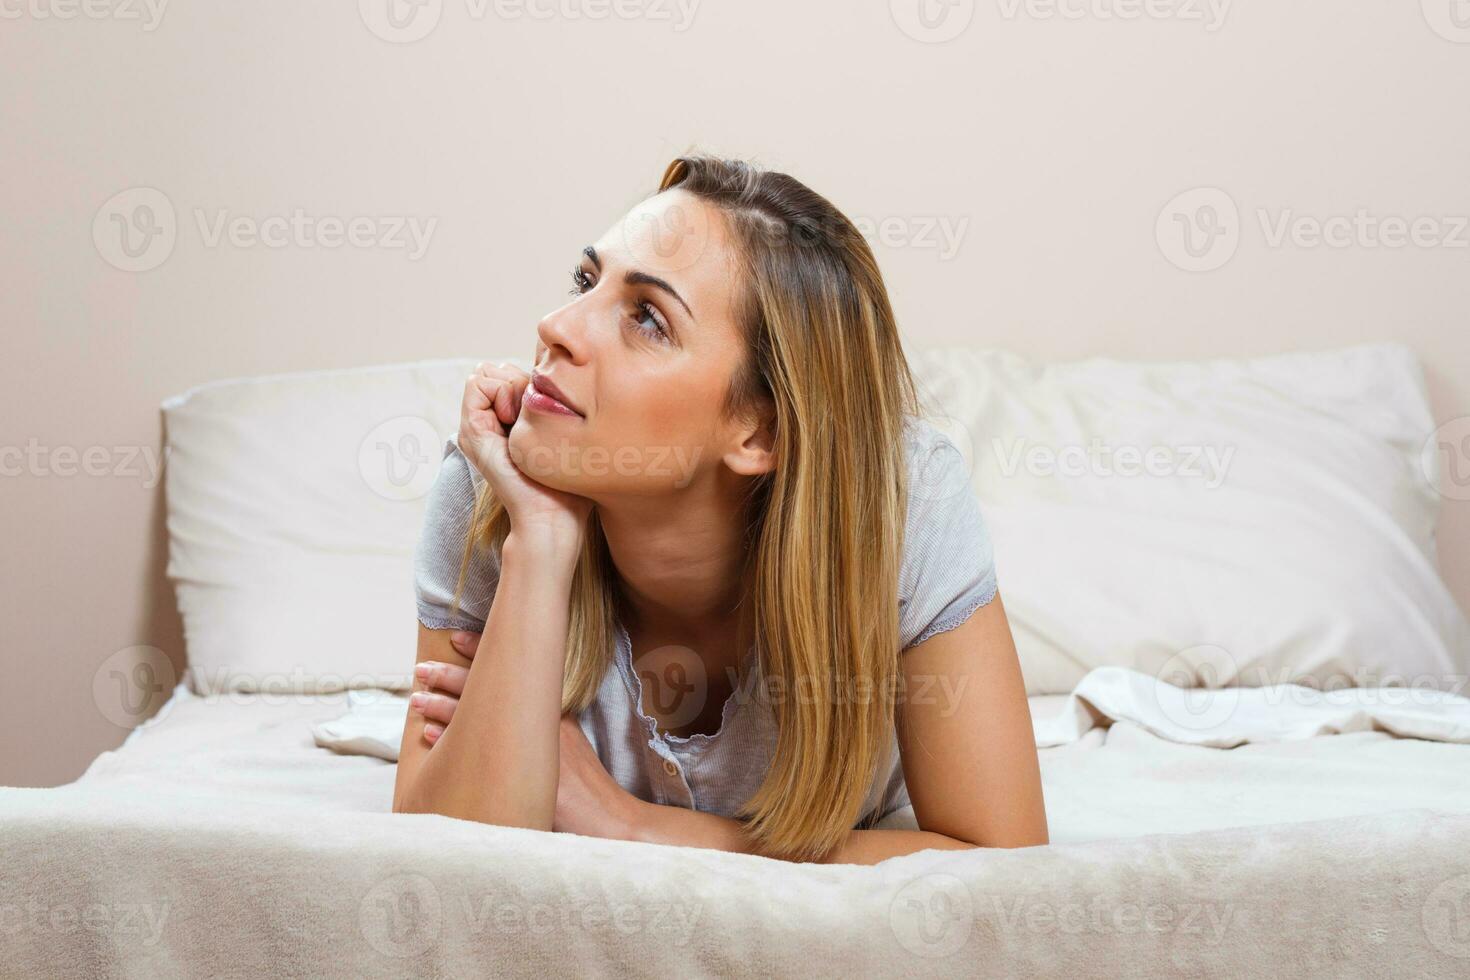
[938,471]
[947,570]
[448,515]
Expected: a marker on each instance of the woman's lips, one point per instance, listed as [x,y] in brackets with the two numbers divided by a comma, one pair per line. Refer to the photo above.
[544,396]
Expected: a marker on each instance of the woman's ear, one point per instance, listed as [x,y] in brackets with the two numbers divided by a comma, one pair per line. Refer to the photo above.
[754,450]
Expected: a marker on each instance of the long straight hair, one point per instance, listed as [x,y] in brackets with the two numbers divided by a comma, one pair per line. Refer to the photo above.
[823,529]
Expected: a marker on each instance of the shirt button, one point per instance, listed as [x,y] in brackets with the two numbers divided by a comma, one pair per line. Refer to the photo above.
[670,768]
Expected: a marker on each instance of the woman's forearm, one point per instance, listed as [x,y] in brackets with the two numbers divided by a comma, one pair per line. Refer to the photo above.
[498,761]
[657,824]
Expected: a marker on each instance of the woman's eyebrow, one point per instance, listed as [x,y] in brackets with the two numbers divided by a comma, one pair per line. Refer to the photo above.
[636,278]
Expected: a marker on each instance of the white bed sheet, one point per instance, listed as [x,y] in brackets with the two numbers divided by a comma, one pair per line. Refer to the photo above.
[1115,782]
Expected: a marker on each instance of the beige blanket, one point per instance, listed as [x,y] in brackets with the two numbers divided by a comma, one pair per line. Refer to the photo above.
[220,840]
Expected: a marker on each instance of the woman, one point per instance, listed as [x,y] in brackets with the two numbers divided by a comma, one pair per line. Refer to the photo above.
[705,577]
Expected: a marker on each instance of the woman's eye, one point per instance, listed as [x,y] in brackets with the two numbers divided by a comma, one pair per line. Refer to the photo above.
[651,315]
[581,282]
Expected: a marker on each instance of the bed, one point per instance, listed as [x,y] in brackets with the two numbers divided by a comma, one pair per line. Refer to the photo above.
[1235,784]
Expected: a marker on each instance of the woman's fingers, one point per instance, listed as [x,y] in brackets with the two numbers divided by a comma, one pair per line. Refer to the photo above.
[434,707]
[512,381]
[432,731]
[465,643]
[438,676]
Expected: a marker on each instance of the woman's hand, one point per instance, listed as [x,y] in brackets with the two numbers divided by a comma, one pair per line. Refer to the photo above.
[490,408]
[588,800]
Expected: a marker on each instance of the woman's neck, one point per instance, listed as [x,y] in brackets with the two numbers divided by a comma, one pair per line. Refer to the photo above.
[680,563]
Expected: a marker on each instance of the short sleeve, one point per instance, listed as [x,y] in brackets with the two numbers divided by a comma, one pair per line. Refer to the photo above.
[440,550]
[948,565]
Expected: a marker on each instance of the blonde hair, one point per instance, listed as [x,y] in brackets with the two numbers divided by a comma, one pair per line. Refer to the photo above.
[824,528]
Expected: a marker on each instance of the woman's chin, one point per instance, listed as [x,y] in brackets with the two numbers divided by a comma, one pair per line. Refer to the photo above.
[544,458]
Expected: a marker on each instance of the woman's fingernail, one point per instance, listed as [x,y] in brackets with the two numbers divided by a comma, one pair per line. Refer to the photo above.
[459,639]
[417,699]
[421,670]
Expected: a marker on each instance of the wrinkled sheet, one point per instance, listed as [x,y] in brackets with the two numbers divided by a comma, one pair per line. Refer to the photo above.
[221,840]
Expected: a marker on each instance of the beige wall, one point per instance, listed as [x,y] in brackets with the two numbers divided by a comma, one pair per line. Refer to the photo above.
[1051,145]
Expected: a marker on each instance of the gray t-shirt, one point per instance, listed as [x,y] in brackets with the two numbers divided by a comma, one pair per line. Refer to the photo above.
[947,571]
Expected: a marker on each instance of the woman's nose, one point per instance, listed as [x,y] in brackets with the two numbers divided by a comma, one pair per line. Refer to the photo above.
[560,330]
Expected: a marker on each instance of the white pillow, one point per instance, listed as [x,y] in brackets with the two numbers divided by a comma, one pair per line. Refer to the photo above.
[294,504]
[1297,545]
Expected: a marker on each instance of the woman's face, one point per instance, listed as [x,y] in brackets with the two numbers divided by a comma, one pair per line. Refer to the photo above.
[643,351]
